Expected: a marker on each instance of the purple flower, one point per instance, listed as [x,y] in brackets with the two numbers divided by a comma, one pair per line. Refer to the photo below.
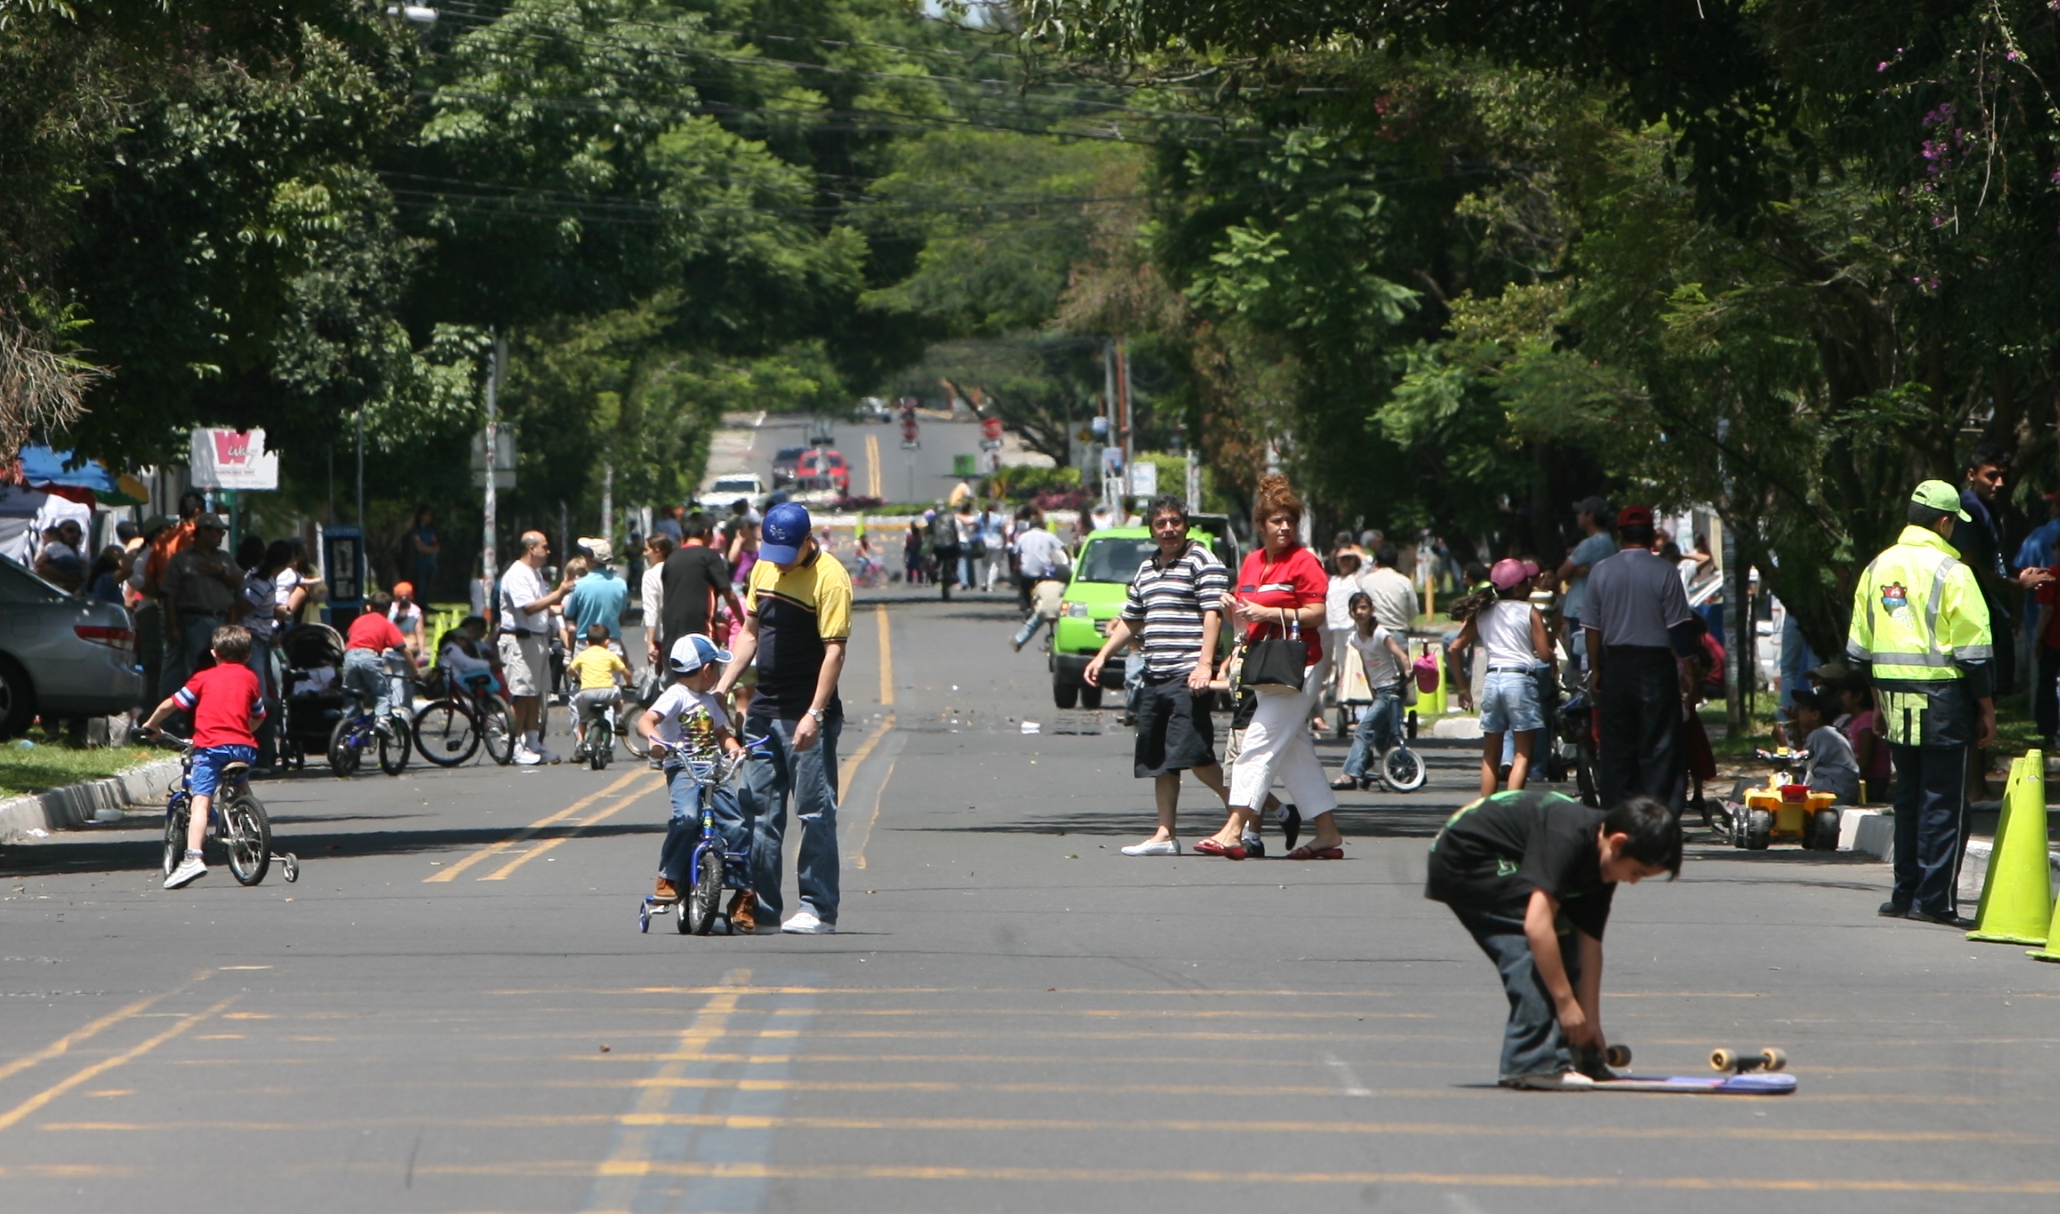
[1883,65]
[2014,56]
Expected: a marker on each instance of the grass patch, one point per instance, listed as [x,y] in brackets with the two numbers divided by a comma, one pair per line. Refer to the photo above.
[53,765]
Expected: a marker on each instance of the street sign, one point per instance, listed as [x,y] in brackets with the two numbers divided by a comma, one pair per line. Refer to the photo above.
[911,446]
[990,429]
[504,458]
[1144,479]
[232,459]
[909,429]
[990,444]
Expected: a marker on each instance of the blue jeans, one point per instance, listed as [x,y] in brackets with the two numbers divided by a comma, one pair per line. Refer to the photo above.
[1532,1041]
[364,676]
[774,773]
[684,831]
[1378,728]
[1029,628]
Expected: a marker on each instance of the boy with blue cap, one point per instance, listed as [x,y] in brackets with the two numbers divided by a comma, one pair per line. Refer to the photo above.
[690,732]
[796,622]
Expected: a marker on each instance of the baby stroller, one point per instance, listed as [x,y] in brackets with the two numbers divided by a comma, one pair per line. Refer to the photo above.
[310,691]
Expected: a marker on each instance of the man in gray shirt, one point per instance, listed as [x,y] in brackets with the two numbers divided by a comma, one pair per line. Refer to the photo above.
[1636,622]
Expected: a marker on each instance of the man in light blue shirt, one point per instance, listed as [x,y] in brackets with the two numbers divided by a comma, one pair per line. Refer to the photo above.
[1596,546]
[601,596]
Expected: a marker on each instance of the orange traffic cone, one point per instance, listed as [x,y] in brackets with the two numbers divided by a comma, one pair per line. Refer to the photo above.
[2017,894]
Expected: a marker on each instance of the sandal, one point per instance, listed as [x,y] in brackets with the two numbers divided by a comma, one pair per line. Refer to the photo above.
[1343,784]
[1310,851]
[1290,823]
[1210,847]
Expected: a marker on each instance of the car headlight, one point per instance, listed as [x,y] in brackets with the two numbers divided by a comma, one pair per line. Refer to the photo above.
[1076,611]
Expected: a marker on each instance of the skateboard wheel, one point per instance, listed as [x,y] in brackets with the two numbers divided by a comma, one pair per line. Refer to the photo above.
[1723,1060]
[1618,1056]
[1773,1059]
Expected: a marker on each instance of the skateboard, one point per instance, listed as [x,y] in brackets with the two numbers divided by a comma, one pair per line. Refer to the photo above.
[1739,1074]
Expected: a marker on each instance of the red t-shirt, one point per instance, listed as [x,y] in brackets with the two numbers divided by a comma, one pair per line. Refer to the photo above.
[222,700]
[375,632]
[1295,580]
[2049,596]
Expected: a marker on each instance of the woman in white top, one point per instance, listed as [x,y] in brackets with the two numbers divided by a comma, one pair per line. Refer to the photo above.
[1337,617]
[1513,633]
[656,549]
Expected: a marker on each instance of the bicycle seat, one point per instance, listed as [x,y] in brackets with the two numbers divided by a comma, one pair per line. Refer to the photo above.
[235,772]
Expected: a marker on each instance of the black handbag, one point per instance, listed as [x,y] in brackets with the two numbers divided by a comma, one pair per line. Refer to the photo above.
[1278,661]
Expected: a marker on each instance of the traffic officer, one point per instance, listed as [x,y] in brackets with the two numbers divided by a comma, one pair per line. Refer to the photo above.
[1922,628]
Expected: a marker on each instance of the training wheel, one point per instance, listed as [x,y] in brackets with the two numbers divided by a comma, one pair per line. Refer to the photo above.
[290,865]
[644,915]
[1618,1056]
[1723,1060]
[1773,1059]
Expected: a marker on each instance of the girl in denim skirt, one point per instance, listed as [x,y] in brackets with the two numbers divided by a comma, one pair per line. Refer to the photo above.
[1513,633]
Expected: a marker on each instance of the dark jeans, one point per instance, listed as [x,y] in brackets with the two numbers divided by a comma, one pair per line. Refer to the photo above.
[1641,748]
[1930,825]
[1532,1041]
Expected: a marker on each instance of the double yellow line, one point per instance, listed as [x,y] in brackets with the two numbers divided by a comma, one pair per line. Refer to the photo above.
[654,782]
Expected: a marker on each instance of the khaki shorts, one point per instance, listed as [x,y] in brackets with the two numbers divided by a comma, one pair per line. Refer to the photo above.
[523,660]
[1047,596]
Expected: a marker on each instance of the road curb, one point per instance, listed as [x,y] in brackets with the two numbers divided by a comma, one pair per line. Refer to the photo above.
[74,805]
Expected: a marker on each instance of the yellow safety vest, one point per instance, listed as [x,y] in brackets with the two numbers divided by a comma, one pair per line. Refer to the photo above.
[1918,612]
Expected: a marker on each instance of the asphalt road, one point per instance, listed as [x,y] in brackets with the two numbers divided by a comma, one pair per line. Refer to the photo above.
[453,1011]
[880,467]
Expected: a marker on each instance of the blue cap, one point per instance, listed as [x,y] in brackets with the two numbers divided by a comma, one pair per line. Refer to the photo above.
[691,653]
[784,531]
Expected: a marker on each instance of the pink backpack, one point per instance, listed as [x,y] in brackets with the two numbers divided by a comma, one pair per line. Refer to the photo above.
[1426,668]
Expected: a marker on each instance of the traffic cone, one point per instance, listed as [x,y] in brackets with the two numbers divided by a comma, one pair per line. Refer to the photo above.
[2017,894]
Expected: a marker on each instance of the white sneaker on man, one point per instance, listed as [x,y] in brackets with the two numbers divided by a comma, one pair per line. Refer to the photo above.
[805,923]
[525,756]
[1573,1081]
[1154,847]
[189,869]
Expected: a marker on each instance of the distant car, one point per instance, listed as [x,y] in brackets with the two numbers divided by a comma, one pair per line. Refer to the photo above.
[730,486]
[62,656]
[786,463]
[872,409]
[825,469]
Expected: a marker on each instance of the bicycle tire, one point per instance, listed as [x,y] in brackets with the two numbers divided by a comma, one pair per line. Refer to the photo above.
[497,732]
[632,741]
[247,837]
[177,814]
[446,733]
[394,746]
[1402,769]
[343,756]
[704,900]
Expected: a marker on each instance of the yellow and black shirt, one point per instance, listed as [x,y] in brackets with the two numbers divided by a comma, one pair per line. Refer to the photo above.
[797,611]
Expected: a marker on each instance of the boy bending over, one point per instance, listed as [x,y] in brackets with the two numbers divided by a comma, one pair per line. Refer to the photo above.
[227,704]
[1531,875]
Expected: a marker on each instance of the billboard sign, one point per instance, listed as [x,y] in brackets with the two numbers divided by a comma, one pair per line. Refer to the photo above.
[233,459]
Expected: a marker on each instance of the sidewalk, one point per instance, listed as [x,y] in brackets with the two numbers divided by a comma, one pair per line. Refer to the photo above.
[75,805]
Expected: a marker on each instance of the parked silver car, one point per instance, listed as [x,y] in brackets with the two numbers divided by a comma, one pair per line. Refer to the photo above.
[61,656]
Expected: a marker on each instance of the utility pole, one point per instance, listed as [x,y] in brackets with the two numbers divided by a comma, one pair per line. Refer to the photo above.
[608,501]
[1735,606]
[1123,402]
[361,473]
[493,384]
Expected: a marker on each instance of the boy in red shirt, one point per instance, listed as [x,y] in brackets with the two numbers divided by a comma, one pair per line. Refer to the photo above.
[227,704]
[372,636]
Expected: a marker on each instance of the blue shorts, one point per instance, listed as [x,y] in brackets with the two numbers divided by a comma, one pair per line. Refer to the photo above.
[1509,701]
[208,764]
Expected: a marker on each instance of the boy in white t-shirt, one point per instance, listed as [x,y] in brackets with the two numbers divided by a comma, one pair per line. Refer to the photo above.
[688,728]
[1387,664]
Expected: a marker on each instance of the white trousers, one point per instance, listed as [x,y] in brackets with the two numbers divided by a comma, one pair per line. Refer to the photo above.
[1277,746]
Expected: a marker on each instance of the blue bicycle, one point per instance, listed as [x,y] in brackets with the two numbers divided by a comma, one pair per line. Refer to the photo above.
[358,731]
[710,871]
[236,818]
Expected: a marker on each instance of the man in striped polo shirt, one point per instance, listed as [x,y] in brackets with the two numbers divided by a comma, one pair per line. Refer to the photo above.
[1175,607]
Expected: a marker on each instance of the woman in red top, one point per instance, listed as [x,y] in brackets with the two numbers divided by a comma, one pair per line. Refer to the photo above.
[1280,588]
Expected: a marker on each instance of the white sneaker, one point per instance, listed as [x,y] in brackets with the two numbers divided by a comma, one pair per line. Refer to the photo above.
[527,757]
[1154,847]
[804,923]
[1571,1081]
[189,868]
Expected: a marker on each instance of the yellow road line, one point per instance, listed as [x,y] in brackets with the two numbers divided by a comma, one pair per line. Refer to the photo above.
[635,1144]
[92,1029]
[879,799]
[850,765]
[763,1171]
[527,832]
[886,655]
[743,1121]
[872,459]
[628,798]
[55,1090]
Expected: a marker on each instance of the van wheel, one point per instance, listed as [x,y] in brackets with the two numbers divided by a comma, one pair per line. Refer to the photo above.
[1090,697]
[1064,694]
[17,699]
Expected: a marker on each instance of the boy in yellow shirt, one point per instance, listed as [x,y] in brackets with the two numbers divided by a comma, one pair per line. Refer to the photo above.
[602,676]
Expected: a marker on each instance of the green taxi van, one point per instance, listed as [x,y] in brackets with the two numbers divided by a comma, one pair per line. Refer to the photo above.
[1094,598]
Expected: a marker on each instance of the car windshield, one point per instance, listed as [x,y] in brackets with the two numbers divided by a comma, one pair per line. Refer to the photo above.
[1115,559]
[736,484]
[787,455]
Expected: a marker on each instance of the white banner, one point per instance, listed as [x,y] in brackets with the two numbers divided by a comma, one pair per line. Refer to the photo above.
[233,459]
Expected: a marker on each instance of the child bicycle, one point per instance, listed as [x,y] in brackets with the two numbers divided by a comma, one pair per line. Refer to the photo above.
[452,727]
[358,730]
[712,868]
[237,819]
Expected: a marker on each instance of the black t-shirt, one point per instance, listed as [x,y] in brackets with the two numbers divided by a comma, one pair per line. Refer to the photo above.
[1493,853]
[694,578]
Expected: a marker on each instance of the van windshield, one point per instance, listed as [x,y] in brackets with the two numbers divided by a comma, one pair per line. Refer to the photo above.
[1115,559]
